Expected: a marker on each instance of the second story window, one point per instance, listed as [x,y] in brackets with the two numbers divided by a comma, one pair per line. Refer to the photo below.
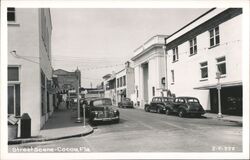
[11,14]
[204,70]
[193,46]
[117,82]
[221,65]
[124,80]
[214,36]
[175,54]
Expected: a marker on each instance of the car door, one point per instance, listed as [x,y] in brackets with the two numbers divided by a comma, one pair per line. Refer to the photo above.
[160,103]
[176,104]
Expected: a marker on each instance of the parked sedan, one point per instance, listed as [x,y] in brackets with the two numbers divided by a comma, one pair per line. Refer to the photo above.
[126,103]
[184,106]
[101,110]
[158,104]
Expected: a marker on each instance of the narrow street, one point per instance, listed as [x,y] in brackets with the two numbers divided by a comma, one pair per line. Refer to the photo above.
[140,131]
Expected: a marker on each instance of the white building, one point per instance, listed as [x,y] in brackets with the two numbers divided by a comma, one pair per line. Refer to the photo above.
[125,83]
[109,86]
[149,69]
[209,44]
[29,65]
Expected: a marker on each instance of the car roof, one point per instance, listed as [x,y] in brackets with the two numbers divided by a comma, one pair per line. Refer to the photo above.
[99,99]
[186,97]
[163,97]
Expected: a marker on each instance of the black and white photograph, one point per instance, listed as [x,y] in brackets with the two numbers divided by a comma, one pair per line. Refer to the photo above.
[125,79]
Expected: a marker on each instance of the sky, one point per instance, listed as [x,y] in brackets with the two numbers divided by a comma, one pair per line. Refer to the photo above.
[100,40]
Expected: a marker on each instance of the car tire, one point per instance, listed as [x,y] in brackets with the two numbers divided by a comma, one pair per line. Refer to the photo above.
[181,113]
[168,112]
[117,120]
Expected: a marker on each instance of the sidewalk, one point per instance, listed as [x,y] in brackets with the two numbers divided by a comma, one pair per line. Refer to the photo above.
[230,118]
[60,125]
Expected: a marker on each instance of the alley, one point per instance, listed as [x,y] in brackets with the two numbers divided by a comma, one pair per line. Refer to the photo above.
[140,131]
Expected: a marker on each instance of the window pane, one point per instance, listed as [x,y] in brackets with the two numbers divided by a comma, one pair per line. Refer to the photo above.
[10,99]
[13,74]
[195,49]
[203,64]
[217,31]
[211,32]
[217,39]
[17,88]
[191,50]
[11,14]
[221,59]
[211,42]
[195,41]
[204,73]
[222,68]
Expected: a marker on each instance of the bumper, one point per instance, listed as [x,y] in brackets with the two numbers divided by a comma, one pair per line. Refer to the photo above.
[106,119]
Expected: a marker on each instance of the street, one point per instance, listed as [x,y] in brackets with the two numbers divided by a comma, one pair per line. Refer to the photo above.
[140,131]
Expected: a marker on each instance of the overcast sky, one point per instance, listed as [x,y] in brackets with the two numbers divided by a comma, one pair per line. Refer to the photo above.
[99,41]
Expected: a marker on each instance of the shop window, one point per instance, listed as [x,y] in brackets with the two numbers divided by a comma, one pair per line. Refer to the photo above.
[214,36]
[204,70]
[14,106]
[221,65]
[193,46]
[11,14]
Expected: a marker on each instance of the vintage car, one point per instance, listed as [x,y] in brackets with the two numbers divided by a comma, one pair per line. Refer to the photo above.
[101,110]
[126,103]
[158,104]
[184,106]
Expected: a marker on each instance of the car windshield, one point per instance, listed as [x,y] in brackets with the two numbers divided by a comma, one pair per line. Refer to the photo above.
[101,102]
[168,99]
[192,100]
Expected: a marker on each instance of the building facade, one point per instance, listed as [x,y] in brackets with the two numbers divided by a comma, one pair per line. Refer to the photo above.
[29,65]
[149,70]
[125,83]
[109,85]
[208,45]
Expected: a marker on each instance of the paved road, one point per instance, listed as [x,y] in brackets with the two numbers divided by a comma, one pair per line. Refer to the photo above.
[140,131]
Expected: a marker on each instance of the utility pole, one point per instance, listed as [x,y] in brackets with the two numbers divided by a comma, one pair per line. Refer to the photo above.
[79,120]
[218,76]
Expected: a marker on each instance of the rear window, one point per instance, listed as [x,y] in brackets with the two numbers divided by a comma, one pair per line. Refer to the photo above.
[192,100]
[101,102]
[168,100]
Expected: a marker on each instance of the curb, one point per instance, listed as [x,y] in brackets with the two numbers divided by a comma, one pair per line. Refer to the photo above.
[21,141]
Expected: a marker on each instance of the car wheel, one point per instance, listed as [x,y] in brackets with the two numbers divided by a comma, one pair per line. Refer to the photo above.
[117,120]
[181,113]
[146,109]
[167,112]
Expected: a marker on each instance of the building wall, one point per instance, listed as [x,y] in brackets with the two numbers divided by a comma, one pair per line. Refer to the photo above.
[24,38]
[187,69]
[45,60]
[155,59]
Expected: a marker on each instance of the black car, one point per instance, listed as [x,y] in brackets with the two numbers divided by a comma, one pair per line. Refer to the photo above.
[102,110]
[126,103]
[158,104]
[184,106]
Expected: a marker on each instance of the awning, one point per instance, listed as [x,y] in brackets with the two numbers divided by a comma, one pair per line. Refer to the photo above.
[227,84]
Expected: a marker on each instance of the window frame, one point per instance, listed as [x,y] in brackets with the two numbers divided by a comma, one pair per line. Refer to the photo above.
[175,54]
[203,67]
[14,84]
[13,12]
[214,36]
[193,46]
[221,63]
[172,77]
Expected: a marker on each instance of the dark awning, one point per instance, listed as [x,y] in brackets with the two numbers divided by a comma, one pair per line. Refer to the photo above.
[227,84]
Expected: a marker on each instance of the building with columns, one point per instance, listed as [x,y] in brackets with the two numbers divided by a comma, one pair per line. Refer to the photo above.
[149,70]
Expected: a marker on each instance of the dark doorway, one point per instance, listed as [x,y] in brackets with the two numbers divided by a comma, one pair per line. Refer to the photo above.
[231,100]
